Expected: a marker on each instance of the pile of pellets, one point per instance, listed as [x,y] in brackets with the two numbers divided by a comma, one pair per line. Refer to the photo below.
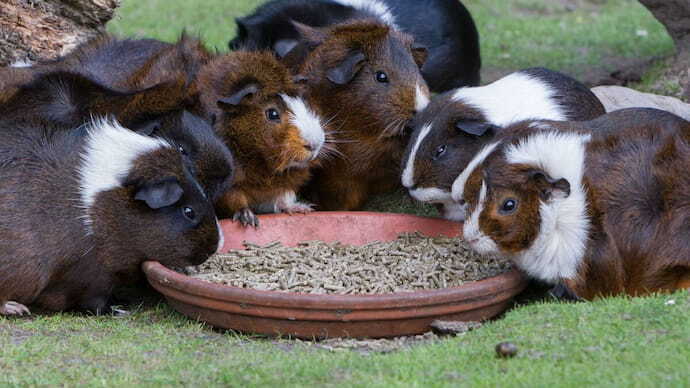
[412,262]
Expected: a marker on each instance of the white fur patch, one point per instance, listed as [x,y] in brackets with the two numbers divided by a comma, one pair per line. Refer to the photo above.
[375,7]
[22,63]
[458,188]
[430,194]
[107,158]
[307,121]
[471,232]
[408,172]
[421,98]
[513,98]
[221,238]
[453,211]
[560,246]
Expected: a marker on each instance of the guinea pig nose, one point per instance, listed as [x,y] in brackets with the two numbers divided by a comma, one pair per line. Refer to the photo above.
[309,147]
[461,202]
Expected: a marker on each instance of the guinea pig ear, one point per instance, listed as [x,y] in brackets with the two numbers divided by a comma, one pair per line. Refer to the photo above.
[160,194]
[475,128]
[347,69]
[240,95]
[549,188]
[310,35]
[146,128]
[283,46]
[420,54]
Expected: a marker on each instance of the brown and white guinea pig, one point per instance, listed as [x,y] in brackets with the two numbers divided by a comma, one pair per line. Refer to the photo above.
[363,76]
[457,124]
[258,111]
[63,100]
[597,208]
[82,209]
[444,27]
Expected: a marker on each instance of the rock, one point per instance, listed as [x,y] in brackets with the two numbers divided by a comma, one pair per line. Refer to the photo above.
[506,350]
[453,327]
[42,30]
[619,97]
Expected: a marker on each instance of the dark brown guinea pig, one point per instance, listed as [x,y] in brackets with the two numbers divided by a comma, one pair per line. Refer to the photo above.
[63,100]
[364,77]
[597,208]
[135,64]
[275,136]
[457,124]
[82,209]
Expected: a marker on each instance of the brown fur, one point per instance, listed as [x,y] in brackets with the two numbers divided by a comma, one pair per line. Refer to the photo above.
[264,150]
[49,258]
[367,118]
[638,196]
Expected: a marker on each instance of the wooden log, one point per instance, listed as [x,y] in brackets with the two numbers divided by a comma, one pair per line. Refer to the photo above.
[42,30]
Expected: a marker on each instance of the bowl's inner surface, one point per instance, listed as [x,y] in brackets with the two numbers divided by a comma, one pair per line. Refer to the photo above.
[353,228]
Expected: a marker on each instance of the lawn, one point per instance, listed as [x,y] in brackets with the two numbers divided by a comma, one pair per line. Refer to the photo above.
[617,341]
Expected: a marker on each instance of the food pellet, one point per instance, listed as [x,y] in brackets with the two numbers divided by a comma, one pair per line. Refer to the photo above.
[409,263]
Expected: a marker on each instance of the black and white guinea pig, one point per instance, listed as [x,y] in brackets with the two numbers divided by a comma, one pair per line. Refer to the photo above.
[457,124]
[63,100]
[84,208]
[444,27]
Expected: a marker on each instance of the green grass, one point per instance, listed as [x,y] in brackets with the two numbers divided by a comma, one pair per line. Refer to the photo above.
[641,342]
[589,41]
[617,341]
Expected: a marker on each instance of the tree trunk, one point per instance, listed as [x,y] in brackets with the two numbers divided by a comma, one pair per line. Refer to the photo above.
[32,30]
[675,16]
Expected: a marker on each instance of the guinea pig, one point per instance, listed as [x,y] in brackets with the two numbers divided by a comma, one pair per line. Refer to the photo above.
[457,124]
[363,76]
[597,208]
[67,100]
[444,27]
[259,113]
[83,208]
[136,64]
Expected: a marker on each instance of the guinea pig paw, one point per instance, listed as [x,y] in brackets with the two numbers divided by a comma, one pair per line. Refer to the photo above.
[297,207]
[116,311]
[246,217]
[14,308]
[564,293]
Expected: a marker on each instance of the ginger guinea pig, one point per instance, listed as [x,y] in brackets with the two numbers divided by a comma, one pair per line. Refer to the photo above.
[84,208]
[274,135]
[597,208]
[364,77]
[457,124]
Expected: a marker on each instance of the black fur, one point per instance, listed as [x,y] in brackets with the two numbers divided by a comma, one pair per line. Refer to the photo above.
[51,258]
[444,27]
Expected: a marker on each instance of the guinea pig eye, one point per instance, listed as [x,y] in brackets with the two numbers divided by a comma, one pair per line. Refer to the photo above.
[189,213]
[381,77]
[509,206]
[182,150]
[439,151]
[272,114]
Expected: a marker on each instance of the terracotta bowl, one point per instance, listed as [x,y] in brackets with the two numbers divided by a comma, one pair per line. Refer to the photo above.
[321,316]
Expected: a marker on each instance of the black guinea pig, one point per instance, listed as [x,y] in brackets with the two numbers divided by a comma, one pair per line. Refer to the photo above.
[457,124]
[444,27]
[84,208]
